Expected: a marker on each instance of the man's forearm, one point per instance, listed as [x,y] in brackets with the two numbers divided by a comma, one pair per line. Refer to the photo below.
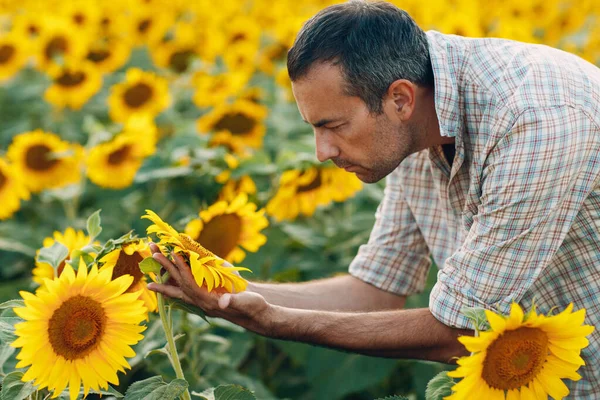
[412,334]
[341,293]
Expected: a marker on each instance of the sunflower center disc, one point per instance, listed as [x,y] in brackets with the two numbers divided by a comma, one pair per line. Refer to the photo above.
[137,95]
[144,25]
[236,123]
[76,327]
[191,244]
[180,60]
[515,358]
[118,156]
[2,179]
[6,53]
[315,183]
[56,47]
[221,234]
[70,79]
[128,265]
[98,55]
[38,158]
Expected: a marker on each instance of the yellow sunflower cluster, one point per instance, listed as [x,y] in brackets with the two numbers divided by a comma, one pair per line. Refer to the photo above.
[302,191]
[522,356]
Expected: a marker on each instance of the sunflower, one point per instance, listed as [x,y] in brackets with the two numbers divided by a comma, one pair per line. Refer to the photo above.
[12,191]
[57,43]
[525,356]
[142,93]
[207,269]
[125,260]
[83,15]
[114,164]
[42,160]
[282,78]
[215,90]
[225,227]
[301,192]
[178,53]
[78,330]
[236,126]
[73,85]
[13,55]
[72,239]
[233,187]
[108,54]
[149,26]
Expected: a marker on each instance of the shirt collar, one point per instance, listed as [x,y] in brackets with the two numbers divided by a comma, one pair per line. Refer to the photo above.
[447,53]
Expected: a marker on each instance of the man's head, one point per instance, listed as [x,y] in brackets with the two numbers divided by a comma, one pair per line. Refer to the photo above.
[358,70]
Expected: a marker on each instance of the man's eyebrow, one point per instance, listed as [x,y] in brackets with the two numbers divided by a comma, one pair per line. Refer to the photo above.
[322,122]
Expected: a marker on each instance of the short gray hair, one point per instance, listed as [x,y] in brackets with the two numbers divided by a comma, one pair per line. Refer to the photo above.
[375,44]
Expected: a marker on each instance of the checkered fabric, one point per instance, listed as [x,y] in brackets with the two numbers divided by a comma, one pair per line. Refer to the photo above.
[516,217]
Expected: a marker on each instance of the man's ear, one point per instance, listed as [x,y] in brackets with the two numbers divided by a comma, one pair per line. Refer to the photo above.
[401,98]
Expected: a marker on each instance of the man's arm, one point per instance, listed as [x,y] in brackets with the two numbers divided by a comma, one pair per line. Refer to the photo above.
[340,293]
[397,333]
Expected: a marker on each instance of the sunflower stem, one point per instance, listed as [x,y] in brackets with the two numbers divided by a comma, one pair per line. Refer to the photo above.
[167,324]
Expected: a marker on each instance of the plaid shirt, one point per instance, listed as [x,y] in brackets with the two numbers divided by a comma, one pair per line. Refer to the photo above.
[516,217]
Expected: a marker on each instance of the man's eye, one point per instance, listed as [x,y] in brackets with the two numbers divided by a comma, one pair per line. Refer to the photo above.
[333,128]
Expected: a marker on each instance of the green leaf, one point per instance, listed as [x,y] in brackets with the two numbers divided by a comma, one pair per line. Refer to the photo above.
[12,304]
[93,225]
[156,388]
[149,264]
[17,247]
[232,392]
[396,397]
[439,386]
[77,255]
[7,328]
[53,255]
[164,350]
[182,305]
[226,392]
[476,315]
[15,389]
[111,391]
[6,350]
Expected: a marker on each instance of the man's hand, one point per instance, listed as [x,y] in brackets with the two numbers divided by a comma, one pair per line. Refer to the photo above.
[247,309]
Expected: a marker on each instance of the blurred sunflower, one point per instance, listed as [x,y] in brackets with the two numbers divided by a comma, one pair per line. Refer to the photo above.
[57,44]
[233,187]
[224,228]
[142,94]
[13,55]
[178,53]
[215,90]
[78,331]
[42,160]
[525,356]
[108,54]
[301,192]
[83,15]
[125,260]
[114,164]
[282,78]
[207,269]
[72,239]
[236,126]
[147,25]
[73,85]
[12,191]
[27,25]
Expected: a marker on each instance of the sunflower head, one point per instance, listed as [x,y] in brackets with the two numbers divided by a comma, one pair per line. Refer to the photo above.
[85,323]
[207,268]
[522,356]
[125,260]
[12,190]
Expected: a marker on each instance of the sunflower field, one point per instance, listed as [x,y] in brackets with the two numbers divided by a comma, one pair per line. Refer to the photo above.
[184,108]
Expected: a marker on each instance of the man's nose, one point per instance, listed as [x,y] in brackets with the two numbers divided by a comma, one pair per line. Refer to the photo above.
[325,147]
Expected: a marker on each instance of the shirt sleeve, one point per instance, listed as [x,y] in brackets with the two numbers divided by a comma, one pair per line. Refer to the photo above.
[396,258]
[533,183]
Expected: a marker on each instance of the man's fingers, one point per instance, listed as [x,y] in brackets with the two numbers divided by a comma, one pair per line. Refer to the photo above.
[169,266]
[168,290]
[154,248]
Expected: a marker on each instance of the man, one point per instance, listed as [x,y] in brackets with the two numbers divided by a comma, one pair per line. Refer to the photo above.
[491,149]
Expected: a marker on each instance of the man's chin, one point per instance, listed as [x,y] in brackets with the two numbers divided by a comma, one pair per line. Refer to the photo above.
[369,177]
